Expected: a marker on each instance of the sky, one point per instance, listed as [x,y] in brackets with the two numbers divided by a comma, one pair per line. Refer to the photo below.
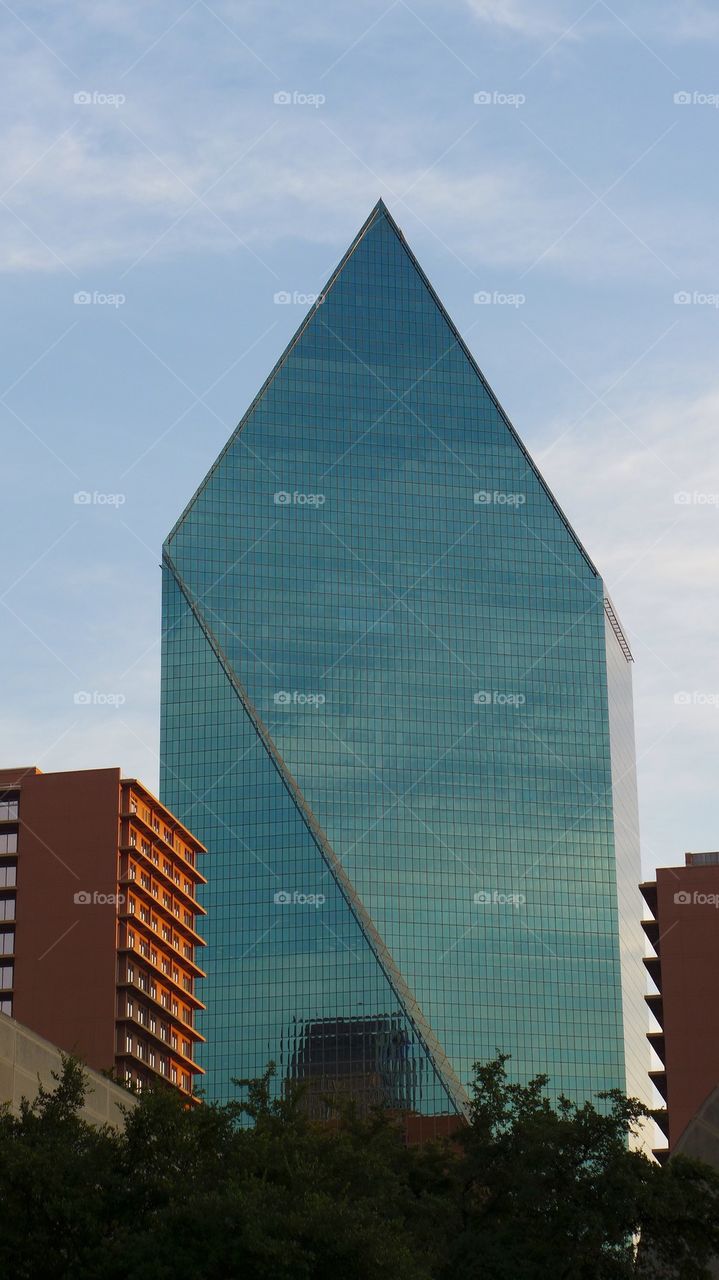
[177,181]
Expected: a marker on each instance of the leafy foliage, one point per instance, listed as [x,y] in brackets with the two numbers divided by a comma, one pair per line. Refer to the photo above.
[526,1190]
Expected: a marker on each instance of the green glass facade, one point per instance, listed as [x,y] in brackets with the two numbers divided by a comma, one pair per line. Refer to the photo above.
[386,712]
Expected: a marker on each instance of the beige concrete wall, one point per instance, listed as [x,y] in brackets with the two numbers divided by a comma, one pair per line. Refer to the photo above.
[25,1056]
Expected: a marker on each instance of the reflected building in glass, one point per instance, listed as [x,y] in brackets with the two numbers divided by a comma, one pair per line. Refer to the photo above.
[396,708]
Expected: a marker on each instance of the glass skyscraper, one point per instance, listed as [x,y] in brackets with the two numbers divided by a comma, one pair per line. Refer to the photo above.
[396,708]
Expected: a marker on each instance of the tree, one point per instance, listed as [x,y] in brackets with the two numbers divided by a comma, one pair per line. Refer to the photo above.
[528,1190]
[545,1190]
[52,1168]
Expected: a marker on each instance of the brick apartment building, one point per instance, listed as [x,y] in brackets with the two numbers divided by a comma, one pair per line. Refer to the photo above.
[98,922]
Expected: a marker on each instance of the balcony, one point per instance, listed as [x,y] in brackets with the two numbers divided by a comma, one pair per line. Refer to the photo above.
[659,1080]
[164,1046]
[156,837]
[651,929]
[653,966]
[656,1005]
[142,1066]
[656,1040]
[163,979]
[166,914]
[648,891]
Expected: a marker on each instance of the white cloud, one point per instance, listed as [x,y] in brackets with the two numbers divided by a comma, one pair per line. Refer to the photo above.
[520,16]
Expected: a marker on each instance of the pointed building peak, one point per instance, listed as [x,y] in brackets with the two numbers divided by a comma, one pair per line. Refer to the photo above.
[381,208]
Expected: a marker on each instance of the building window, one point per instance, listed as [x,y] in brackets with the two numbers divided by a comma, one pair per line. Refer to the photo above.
[130,1008]
[7,907]
[130,973]
[175,1008]
[6,1005]
[164,1000]
[173,1040]
[8,810]
[133,806]
[173,1075]
[8,875]
[133,839]
[7,942]
[153,1024]
[186,1082]
[145,846]
[151,1058]
[6,975]
[8,841]
[128,1044]
[132,872]
[186,1048]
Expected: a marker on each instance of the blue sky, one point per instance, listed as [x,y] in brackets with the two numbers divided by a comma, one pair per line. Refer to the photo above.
[148,165]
